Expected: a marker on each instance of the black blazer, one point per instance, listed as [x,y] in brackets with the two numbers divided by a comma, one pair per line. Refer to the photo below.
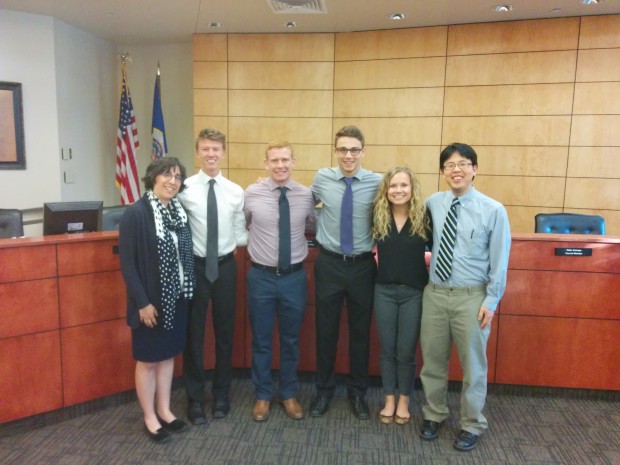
[139,260]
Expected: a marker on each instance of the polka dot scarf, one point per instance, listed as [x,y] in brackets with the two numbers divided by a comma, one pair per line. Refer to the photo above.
[174,219]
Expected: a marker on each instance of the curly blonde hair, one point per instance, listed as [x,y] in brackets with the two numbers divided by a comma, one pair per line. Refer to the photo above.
[382,210]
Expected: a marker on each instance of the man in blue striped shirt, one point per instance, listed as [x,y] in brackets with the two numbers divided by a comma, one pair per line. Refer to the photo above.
[467,280]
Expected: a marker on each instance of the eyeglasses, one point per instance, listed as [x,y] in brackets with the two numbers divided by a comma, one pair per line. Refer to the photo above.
[168,176]
[462,165]
[355,151]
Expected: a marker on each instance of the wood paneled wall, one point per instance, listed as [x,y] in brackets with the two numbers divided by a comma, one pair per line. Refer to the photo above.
[539,101]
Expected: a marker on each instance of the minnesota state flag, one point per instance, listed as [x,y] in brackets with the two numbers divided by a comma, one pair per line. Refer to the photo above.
[158,131]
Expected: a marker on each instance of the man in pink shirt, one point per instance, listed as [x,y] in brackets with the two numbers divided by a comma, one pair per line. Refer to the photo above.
[278,213]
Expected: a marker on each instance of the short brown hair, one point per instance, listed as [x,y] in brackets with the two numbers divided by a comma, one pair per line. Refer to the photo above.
[211,134]
[350,131]
[161,166]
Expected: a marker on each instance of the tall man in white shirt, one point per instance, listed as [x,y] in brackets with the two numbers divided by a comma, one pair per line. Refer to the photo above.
[225,210]
[278,211]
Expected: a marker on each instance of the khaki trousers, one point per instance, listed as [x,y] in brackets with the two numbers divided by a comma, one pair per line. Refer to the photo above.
[451,314]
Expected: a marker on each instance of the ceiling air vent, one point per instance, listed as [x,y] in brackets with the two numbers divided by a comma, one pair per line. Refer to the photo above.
[297,6]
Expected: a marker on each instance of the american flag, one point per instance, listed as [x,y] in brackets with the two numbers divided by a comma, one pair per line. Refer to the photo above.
[126,146]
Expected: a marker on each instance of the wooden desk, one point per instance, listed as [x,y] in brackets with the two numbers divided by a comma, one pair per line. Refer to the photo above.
[560,315]
[64,340]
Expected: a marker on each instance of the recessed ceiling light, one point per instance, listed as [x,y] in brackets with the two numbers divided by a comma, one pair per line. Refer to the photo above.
[503,8]
[215,24]
[397,16]
[290,24]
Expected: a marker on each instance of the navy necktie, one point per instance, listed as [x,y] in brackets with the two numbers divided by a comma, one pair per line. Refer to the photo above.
[346,219]
[212,271]
[443,267]
[284,230]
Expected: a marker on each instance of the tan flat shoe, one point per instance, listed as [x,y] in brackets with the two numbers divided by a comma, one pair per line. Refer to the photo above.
[401,420]
[385,419]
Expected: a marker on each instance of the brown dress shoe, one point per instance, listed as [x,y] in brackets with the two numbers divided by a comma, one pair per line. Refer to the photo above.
[260,412]
[293,409]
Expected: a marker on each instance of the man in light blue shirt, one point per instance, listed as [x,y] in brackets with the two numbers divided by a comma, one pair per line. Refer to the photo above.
[467,280]
[344,270]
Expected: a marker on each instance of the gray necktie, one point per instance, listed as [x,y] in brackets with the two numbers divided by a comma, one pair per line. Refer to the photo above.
[212,271]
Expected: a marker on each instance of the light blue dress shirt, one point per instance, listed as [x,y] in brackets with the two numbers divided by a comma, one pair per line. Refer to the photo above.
[328,187]
[482,243]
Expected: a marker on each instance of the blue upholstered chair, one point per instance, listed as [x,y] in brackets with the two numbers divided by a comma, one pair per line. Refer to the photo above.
[111,216]
[11,223]
[569,223]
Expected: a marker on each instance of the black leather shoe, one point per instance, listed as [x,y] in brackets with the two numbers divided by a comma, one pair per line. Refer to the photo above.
[175,426]
[221,408]
[196,413]
[430,430]
[360,408]
[159,436]
[466,441]
[319,406]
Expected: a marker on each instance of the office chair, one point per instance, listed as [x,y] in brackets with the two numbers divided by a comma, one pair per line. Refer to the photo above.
[111,216]
[11,223]
[569,223]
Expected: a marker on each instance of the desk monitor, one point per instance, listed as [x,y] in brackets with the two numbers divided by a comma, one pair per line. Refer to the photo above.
[71,217]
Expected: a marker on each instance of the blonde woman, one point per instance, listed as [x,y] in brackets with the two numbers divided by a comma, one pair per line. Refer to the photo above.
[402,230]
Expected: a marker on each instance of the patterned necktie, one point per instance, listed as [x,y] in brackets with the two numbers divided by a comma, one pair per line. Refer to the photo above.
[284,230]
[212,271]
[443,267]
[346,219]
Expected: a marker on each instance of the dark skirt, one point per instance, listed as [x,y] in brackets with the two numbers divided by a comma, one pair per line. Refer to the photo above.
[158,344]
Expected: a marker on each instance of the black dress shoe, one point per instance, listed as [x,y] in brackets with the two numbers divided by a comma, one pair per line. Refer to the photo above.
[221,408]
[360,408]
[175,426]
[319,406]
[196,413]
[466,441]
[159,436]
[430,430]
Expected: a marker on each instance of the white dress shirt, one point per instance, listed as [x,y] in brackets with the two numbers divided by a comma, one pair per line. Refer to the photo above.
[230,216]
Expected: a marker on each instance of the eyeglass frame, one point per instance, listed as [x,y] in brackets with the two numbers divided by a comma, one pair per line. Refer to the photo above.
[342,151]
[168,176]
[461,164]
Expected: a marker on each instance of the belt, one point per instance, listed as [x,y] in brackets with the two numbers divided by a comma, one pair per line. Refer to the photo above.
[220,260]
[279,271]
[347,258]
[458,290]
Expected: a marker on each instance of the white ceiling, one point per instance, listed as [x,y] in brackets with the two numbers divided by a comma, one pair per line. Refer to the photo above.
[153,22]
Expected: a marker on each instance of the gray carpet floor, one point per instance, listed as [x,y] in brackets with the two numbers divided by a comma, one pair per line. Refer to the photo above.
[536,429]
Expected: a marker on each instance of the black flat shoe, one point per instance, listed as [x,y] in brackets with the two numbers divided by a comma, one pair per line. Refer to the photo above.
[175,426]
[466,441]
[160,436]
[430,430]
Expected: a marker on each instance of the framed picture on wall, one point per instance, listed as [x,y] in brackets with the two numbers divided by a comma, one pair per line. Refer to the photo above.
[12,156]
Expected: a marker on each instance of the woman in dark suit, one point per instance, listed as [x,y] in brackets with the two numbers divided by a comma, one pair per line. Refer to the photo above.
[158,268]
[401,228]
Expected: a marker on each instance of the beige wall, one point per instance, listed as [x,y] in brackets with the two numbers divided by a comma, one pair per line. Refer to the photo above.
[538,100]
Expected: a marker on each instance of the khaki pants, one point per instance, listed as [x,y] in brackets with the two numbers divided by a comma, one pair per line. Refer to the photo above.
[451,314]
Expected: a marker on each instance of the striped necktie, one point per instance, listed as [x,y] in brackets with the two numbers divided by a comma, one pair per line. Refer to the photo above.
[443,268]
